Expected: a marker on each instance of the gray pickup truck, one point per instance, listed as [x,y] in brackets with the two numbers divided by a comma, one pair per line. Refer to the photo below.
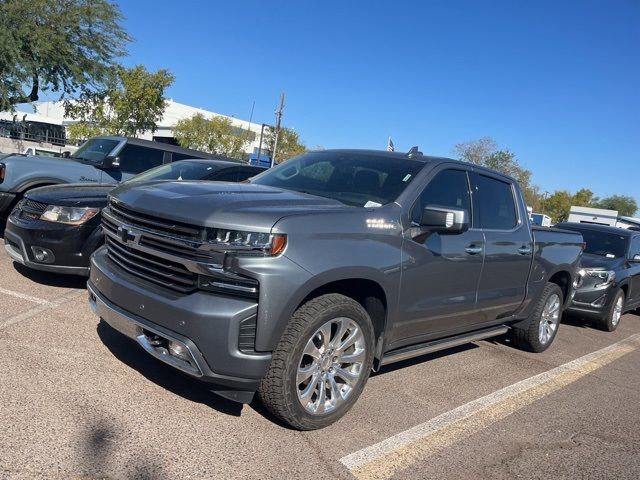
[98,160]
[299,283]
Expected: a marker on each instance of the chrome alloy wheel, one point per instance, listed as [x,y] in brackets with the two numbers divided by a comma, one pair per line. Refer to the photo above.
[550,319]
[331,365]
[617,310]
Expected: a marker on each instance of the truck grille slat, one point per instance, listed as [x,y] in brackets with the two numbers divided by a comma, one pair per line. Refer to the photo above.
[34,207]
[139,219]
[136,272]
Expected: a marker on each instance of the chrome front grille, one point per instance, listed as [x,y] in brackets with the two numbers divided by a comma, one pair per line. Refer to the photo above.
[134,218]
[149,267]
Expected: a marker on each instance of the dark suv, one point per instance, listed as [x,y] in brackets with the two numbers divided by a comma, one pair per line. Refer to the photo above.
[609,281]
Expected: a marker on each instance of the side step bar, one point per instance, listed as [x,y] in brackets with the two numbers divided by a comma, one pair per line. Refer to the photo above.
[442,344]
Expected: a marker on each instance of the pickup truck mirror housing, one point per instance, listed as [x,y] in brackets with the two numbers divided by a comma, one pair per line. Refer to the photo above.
[111,162]
[635,258]
[444,220]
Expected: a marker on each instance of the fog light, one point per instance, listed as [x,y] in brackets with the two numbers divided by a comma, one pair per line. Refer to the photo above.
[42,255]
[180,351]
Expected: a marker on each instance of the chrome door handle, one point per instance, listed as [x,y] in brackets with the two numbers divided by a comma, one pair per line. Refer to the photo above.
[524,250]
[473,250]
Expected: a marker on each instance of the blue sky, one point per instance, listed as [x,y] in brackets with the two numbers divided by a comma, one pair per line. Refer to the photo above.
[557,82]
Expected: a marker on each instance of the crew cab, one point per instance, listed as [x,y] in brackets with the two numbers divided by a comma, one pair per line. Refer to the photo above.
[98,160]
[608,284]
[299,283]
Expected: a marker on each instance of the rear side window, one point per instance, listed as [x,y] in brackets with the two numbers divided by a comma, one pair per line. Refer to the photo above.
[225,175]
[496,205]
[449,188]
[136,159]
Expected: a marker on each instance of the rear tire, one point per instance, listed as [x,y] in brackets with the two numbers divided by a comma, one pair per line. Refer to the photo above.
[321,364]
[612,320]
[537,333]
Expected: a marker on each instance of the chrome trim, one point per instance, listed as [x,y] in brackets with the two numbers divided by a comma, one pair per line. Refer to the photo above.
[132,328]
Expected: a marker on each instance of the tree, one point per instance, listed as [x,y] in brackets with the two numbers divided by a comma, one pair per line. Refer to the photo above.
[624,204]
[584,198]
[289,144]
[215,135]
[133,102]
[484,152]
[557,205]
[65,46]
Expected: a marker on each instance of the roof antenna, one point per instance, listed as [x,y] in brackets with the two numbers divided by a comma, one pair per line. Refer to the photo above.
[414,152]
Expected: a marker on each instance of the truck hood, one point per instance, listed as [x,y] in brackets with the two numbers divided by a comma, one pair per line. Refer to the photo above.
[72,195]
[590,260]
[240,206]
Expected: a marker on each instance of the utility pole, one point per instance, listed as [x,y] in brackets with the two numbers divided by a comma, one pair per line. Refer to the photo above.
[277,134]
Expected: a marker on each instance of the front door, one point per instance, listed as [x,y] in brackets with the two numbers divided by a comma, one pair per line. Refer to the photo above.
[440,272]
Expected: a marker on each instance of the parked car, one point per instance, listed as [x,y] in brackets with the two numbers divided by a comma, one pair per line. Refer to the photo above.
[57,228]
[609,281]
[99,160]
[298,283]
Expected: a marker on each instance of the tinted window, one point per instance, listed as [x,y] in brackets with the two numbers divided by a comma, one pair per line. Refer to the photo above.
[96,149]
[247,172]
[448,188]
[351,178]
[602,243]
[496,205]
[181,156]
[226,175]
[136,159]
[184,170]
[635,247]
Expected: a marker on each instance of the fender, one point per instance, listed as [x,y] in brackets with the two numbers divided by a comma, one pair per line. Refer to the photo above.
[296,298]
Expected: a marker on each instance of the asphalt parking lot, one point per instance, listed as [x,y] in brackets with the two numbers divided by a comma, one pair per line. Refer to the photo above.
[77,400]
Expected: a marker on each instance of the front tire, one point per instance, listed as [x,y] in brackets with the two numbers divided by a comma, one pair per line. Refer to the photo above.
[537,333]
[612,320]
[321,363]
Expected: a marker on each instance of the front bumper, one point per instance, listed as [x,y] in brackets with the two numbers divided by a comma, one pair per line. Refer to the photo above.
[208,325]
[592,303]
[70,246]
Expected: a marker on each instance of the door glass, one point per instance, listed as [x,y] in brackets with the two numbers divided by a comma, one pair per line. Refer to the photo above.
[496,205]
[448,188]
[136,159]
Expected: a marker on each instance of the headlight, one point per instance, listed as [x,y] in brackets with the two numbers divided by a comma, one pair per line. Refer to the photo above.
[249,242]
[604,277]
[69,215]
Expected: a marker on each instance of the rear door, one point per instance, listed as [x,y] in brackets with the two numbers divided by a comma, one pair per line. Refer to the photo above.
[508,248]
[634,272]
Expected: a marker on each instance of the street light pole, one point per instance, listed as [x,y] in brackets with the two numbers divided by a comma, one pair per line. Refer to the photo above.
[277,134]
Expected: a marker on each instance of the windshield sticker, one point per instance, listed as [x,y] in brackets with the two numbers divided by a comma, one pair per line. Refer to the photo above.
[372,204]
[380,223]
[610,255]
[406,177]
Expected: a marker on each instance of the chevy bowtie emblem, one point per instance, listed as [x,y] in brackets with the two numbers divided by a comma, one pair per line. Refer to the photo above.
[125,234]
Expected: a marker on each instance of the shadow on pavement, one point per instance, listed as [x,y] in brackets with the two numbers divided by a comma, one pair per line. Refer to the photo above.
[129,353]
[51,279]
[424,358]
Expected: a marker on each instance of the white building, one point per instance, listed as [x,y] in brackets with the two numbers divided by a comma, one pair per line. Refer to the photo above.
[173,113]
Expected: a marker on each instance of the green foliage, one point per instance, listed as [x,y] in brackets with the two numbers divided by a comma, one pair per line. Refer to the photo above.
[557,205]
[289,144]
[132,103]
[624,204]
[215,135]
[65,46]
[485,152]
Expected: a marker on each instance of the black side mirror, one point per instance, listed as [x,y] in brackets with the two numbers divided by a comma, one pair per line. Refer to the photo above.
[111,162]
[444,220]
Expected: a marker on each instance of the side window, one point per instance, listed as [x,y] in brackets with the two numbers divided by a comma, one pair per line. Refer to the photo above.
[225,175]
[449,188]
[248,172]
[136,159]
[634,249]
[181,156]
[495,204]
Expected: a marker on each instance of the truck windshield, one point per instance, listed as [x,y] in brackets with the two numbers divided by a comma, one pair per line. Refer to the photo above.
[95,149]
[355,179]
[604,244]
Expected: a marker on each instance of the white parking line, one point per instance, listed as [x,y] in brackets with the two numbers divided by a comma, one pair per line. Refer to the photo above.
[22,296]
[386,458]
[39,309]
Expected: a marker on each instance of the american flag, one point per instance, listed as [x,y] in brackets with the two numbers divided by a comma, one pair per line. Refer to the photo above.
[390,147]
